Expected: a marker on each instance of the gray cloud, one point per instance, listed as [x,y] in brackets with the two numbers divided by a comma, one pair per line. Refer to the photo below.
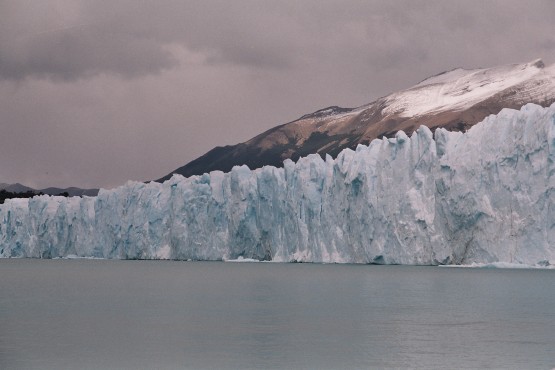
[127,38]
[83,52]
[93,93]
[70,49]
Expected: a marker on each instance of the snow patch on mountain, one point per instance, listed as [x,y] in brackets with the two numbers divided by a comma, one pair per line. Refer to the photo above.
[460,89]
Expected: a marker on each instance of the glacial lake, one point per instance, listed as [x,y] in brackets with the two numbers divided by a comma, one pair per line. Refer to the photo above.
[99,314]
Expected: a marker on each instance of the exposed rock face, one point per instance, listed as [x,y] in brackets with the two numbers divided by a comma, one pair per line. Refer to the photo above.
[454,100]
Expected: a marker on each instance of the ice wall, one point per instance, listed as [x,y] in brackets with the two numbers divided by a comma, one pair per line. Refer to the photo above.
[484,196]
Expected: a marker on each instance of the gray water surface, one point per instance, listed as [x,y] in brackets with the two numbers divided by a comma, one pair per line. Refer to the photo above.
[88,314]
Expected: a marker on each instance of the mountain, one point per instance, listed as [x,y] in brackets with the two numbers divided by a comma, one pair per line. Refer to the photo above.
[15,188]
[72,191]
[484,196]
[455,100]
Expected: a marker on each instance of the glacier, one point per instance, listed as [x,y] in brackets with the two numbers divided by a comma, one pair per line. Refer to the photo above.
[484,196]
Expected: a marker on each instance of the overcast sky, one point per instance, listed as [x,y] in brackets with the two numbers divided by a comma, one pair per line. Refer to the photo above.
[95,93]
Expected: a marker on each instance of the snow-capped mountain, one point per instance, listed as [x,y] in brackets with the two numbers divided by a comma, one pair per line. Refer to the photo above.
[455,100]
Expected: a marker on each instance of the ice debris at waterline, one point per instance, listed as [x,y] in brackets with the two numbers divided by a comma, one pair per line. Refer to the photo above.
[503,265]
[480,197]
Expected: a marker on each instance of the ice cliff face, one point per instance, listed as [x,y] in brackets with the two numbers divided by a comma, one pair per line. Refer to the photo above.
[484,196]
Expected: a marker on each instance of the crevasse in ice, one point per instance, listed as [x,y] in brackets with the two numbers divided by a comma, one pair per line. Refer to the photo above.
[479,197]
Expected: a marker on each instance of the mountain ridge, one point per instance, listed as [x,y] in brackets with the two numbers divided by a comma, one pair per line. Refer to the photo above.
[455,99]
[71,191]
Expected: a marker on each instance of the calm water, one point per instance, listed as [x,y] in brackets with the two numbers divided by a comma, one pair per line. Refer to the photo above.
[76,314]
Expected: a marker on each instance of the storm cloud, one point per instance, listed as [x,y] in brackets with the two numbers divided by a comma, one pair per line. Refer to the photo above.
[93,93]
